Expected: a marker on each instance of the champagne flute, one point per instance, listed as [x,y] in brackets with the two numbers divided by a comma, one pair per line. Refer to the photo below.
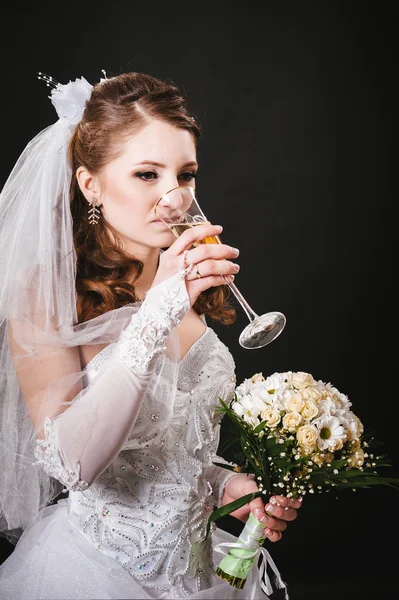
[179,210]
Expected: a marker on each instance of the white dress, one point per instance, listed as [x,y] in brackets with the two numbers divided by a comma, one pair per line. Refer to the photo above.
[138,531]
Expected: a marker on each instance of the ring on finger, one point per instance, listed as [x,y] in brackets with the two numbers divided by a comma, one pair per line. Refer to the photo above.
[185,258]
[197,271]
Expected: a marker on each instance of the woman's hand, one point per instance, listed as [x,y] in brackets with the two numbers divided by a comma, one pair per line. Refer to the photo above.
[275,515]
[210,261]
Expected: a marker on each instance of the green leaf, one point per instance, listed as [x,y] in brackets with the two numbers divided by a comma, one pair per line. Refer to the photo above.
[232,506]
[259,427]
[225,510]
[227,467]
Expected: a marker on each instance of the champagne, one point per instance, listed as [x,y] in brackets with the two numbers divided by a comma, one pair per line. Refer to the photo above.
[179,228]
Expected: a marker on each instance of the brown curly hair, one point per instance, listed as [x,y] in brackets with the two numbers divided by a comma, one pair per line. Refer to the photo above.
[105,273]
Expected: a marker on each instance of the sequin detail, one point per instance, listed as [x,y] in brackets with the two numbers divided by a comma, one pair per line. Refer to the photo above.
[149,510]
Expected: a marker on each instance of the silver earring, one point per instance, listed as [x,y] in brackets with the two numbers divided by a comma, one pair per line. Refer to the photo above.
[94,212]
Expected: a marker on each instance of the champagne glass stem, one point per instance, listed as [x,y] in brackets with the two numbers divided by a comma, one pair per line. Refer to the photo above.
[247,309]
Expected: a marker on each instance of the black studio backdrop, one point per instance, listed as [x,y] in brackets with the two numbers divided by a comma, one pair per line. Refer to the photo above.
[297,161]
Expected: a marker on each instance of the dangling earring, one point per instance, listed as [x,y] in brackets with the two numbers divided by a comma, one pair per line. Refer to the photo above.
[94,212]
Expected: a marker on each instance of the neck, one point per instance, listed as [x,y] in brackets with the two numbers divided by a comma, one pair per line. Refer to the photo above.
[149,257]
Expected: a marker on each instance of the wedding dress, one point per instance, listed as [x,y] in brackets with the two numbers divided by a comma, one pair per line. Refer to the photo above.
[134,522]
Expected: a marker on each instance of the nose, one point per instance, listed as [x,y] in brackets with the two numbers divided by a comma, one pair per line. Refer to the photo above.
[174,203]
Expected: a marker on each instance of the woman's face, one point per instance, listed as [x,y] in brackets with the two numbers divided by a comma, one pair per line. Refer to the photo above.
[153,161]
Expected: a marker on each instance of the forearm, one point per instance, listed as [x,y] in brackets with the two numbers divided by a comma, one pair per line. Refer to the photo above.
[83,440]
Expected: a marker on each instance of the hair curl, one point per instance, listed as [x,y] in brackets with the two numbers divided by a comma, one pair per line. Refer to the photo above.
[105,272]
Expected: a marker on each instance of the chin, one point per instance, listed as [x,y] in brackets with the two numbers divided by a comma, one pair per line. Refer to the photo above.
[165,240]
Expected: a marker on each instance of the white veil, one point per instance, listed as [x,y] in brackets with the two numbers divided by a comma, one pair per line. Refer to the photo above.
[37,294]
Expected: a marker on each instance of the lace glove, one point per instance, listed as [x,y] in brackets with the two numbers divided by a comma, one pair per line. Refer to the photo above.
[81,442]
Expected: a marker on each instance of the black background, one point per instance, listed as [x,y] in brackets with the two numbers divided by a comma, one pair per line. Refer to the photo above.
[299,115]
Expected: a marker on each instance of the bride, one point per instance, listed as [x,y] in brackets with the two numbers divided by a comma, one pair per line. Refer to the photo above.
[110,373]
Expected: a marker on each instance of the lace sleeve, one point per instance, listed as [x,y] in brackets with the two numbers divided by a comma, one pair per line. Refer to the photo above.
[81,442]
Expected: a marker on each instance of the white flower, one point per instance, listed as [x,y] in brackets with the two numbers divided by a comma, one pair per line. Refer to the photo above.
[271,416]
[257,377]
[327,406]
[312,392]
[292,420]
[307,436]
[70,99]
[331,432]
[260,396]
[238,409]
[246,409]
[309,410]
[301,380]
[295,403]
[244,388]
[274,382]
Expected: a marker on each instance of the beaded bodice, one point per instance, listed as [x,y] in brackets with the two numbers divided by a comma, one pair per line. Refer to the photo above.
[149,509]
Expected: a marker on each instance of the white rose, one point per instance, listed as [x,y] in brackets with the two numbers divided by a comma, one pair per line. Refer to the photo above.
[300,379]
[295,403]
[309,410]
[271,416]
[257,377]
[307,436]
[312,393]
[291,420]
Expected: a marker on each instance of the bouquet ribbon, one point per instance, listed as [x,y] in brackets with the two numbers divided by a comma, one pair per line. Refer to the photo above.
[248,548]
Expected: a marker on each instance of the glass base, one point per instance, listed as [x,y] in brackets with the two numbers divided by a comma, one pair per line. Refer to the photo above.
[262,330]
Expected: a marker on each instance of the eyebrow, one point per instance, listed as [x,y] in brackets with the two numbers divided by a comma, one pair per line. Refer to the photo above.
[192,163]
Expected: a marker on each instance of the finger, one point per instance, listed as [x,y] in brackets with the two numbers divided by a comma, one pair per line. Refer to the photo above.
[213,267]
[268,521]
[273,536]
[198,285]
[284,501]
[209,251]
[280,512]
[192,235]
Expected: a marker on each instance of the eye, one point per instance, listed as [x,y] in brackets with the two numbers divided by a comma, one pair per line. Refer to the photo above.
[147,175]
[188,176]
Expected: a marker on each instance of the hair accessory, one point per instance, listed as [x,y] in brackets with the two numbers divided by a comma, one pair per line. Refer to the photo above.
[69,100]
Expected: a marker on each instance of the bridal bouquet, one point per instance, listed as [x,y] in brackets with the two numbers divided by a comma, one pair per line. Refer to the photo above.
[296,435]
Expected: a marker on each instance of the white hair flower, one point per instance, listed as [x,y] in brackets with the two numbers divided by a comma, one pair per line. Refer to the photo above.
[69,100]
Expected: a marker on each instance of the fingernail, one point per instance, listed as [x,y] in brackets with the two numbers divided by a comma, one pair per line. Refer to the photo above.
[236,250]
[260,516]
[237,267]
[270,508]
[219,227]
[229,278]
